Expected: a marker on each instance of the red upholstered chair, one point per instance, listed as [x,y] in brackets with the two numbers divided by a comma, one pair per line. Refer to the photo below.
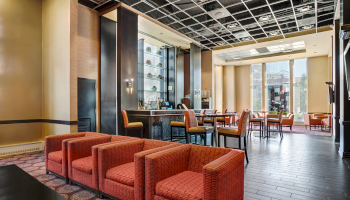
[288,121]
[327,123]
[56,152]
[309,121]
[83,159]
[122,169]
[195,172]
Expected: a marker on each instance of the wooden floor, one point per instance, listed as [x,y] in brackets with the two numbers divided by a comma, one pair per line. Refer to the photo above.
[296,167]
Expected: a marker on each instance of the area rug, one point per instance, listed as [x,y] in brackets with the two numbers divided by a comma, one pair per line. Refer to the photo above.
[34,164]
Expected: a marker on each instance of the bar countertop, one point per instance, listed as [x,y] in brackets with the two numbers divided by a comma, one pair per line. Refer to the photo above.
[158,113]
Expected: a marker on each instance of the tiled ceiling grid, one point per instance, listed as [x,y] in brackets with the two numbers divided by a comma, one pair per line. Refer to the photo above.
[225,22]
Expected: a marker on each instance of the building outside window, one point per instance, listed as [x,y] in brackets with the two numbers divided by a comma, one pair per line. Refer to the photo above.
[256,87]
[300,89]
[277,86]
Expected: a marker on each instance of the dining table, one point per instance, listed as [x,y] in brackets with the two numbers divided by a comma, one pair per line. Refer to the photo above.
[215,116]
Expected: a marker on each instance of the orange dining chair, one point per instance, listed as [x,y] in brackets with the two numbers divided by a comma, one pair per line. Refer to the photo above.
[275,121]
[131,125]
[327,123]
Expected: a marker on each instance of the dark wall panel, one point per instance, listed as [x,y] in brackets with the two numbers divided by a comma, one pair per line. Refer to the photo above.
[127,67]
[108,76]
[171,75]
[196,78]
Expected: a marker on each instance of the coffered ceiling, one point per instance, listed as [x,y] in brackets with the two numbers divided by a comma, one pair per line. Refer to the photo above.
[216,23]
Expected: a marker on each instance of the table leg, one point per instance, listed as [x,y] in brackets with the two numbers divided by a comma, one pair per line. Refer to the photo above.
[215,132]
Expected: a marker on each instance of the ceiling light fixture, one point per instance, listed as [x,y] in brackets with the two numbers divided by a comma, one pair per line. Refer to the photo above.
[306,27]
[287,50]
[236,58]
[264,18]
[219,14]
[246,39]
[305,8]
[220,43]
[231,25]
[274,33]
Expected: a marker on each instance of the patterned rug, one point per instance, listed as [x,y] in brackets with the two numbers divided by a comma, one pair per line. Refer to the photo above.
[34,164]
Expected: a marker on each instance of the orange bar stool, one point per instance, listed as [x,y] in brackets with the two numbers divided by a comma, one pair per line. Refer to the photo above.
[192,128]
[132,125]
[179,126]
[275,121]
[237,133]
[255,120]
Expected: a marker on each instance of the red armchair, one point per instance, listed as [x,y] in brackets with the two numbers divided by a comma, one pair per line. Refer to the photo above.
[288,121]
[195,172]
[122,170]
[327,123]
[83,159]
[56,151]
[309,121]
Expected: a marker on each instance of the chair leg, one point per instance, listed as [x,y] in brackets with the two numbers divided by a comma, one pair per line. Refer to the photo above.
[186,135]
[205,139]
[240,147]
[171,133]
[219,140]
[225,141]
[141,132]
[212,139]
[245,149]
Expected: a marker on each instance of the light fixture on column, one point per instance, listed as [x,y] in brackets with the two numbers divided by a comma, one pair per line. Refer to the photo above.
[129,85]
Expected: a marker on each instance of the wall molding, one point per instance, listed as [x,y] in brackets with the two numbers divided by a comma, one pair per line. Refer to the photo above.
[52,121]
[21,148]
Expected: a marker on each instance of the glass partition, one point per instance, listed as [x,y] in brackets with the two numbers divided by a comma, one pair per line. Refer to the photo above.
[300,89]
[256,87]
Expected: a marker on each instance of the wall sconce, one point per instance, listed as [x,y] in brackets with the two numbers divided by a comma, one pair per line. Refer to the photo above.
[129,85]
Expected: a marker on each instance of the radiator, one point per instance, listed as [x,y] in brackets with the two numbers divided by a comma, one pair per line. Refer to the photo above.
[21,148]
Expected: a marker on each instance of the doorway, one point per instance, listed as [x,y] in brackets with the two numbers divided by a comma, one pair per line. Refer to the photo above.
[86,105]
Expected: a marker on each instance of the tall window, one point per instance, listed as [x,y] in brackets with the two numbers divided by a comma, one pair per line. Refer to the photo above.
[256,87]
[300,89]
[277,86]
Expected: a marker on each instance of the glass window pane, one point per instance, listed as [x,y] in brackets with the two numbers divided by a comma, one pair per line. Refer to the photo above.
[256,74]
[277,72]
[257,98]
[277,98]
[300,89]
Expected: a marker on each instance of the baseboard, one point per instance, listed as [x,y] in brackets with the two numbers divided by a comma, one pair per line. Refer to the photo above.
[21,148]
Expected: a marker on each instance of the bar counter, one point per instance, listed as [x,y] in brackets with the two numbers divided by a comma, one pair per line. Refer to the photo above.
[156,123]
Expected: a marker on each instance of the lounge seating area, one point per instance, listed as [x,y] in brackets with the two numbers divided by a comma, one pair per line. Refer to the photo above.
[131,168]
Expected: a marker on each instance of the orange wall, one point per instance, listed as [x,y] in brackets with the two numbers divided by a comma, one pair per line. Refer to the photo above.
[242,86]
[20,70]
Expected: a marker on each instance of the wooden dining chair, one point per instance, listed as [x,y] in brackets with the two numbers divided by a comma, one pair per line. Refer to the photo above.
[239,132]
[275,121]
[201,119]
[222,120]
[131,125]
[211,120]
[192,128]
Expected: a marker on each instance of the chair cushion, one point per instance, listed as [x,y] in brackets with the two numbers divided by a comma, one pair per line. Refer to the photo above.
[83,164]
[228,130]
[200,122]
[176,123]
[56,156]
[208,121]
[124,174]
[256,120]
[183,186]
[220,119]
[134,124]
[273,120]
[201,129]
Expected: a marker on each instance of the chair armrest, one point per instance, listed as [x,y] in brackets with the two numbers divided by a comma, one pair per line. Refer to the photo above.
[82,148]
[164,164]
[54,143]
[225,174]
[139,159]
[112,155]
[315,121]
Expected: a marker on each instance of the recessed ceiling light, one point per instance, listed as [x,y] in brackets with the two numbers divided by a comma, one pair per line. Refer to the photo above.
[264,18]
[315,52]
[305,8]
[287,50]
[218,14]
[246,39]
[178,41]
[274,33]
[315,45]
[306,27]
[231,25]
[161,33]
[220,43]
[236,58]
